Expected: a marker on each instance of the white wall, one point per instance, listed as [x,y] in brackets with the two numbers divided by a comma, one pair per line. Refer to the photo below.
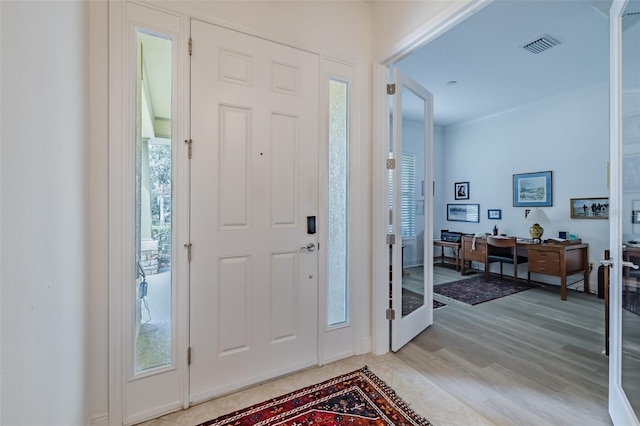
[44,212]
[441,193]
[98,213]
[566,134]
[339,29]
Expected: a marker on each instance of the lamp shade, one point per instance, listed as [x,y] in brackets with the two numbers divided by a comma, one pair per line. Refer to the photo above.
[536,216]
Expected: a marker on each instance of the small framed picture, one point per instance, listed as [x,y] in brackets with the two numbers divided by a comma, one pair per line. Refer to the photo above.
[590,208]
[461,190]
[635,216]
[494,214]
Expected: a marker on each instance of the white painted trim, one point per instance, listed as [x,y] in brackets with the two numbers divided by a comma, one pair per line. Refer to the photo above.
[419,37]
[338,342]
[364,346]
[449,18]
[620,409]
[182,198]
[116,131]
[118,186]
[122,23]
[336,357]
[380,250]
[251,382]
[184,9]
[101,419]
[1,328]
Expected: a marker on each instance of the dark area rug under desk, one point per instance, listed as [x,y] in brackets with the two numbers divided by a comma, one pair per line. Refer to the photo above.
[475,290]
[630,299]
[412,301]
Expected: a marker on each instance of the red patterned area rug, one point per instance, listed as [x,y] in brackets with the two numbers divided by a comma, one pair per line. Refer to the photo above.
[356,398]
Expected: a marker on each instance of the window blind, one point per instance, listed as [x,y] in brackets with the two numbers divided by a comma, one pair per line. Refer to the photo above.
[408,185]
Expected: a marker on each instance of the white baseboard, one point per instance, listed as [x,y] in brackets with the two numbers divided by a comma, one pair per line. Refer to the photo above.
[99,420]
[335,358]
[250,382]
[364,345]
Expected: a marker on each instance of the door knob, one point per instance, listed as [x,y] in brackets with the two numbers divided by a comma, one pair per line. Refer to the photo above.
[309,247]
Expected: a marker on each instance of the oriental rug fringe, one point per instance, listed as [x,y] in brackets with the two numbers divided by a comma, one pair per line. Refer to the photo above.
[356,398]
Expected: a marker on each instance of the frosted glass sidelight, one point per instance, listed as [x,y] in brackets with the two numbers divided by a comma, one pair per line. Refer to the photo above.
[338,194]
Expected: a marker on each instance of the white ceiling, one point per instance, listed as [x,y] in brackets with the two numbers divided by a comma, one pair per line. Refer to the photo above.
[494,74]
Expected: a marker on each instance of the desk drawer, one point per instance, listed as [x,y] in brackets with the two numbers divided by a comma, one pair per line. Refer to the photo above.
[544,262]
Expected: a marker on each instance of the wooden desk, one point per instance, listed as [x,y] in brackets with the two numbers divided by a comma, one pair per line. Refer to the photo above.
[456,250]
[557,260]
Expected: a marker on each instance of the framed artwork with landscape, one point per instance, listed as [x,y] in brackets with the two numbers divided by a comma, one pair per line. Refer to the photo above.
[590,208]
[463,212]
[532,189]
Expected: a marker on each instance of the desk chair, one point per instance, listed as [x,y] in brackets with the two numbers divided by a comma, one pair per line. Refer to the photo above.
[503,250]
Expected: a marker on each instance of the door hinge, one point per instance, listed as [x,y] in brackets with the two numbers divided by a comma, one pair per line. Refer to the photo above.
[190,46]
[391,239]
[391,89]
[189,356]
[188,247]
[391,163]
[189,143]
[391,314]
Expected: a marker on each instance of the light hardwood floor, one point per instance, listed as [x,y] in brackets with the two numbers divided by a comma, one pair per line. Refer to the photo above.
[524,359]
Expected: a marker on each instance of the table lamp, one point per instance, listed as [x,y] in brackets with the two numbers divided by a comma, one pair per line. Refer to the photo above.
[536,216]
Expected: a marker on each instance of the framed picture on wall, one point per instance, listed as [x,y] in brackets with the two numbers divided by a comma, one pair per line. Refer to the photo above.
[461,190]
[631,173]
[463,212]
[635,216]
[532,190]
[590,208]
[494,214]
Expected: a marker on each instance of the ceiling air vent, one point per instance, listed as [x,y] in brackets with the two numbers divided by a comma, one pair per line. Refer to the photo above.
[540,45]
[629,19]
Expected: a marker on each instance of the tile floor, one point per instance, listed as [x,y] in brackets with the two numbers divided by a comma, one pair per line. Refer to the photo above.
[423,396]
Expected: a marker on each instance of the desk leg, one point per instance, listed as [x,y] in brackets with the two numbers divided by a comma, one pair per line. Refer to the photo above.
[563,287]
[585,262]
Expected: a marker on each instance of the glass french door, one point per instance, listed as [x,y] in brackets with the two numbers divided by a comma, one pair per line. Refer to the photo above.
[410,200]
[624,349]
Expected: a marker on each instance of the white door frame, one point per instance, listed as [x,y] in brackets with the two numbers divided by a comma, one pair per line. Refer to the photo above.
[334,343]
[122,112]
[620,409]
[380,220]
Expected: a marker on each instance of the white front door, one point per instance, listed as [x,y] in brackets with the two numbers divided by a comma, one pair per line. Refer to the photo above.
[624,350]
[254,182]
[411,200]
